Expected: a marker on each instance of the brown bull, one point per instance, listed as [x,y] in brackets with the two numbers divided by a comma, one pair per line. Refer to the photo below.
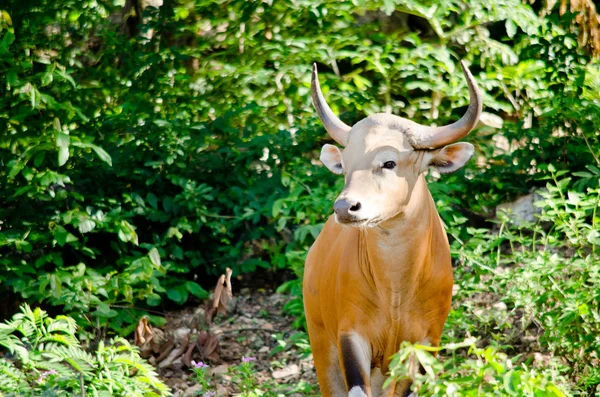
[380,273]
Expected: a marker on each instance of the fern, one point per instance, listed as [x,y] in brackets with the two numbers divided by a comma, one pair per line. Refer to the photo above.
[58,339]
[49,353]
[79,359]
[11,378]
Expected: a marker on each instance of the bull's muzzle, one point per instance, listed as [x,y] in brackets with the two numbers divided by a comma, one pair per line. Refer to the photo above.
[346,210]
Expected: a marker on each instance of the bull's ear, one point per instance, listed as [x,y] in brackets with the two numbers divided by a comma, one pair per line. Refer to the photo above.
[331,156]
[451,157]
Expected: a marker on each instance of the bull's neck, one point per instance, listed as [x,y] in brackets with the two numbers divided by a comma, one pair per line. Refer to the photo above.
[403,244]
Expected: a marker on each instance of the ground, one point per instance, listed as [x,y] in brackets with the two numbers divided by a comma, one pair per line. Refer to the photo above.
[253,327]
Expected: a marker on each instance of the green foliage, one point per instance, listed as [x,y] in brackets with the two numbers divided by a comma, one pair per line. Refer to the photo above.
[479,372]
[46,358]
[546,275]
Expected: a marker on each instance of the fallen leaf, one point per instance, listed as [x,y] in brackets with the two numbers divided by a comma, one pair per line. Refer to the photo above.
[143,332]
[208,346]
[290,370]
[166,349]
[221,296]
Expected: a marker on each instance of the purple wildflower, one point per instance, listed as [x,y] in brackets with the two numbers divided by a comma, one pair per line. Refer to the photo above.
[209,394]
[199,364]
[248,359]
[43,375]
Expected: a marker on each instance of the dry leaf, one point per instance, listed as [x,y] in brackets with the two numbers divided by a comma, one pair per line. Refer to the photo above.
[143,332]
[221,296]
[208,346]
[175,354]
[166,349]
[187,357]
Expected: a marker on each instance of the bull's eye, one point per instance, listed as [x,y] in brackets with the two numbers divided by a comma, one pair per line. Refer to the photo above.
[389,165]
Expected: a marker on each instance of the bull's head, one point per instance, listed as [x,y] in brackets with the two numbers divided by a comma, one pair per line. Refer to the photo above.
[386,154]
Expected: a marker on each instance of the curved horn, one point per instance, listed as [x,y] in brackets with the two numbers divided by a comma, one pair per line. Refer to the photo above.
[434,137]
[334,126]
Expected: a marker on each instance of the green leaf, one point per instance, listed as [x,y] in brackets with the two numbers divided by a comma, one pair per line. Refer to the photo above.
[102,154]
[154,257]
[74,15]
[12,77]
[103,310]
[55,285]
[63,237]
[196,290]
[277,205]
[177,295]
[39,157]
[47,78]
[66,76]
[153,299]
[63,156]
[16,168]
[157,321]
[62,139]
[87,226]
[151,198]
[6,41]
[511,28]
[127,232]
[33,96]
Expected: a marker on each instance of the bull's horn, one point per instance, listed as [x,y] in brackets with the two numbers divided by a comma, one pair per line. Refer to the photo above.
[434,137]
[334,126]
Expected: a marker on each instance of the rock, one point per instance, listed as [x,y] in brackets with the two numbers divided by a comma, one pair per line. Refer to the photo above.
[257,344]
[180,334]
[500,306]
[264,349]
[529,339]
[177,364]
[275,299]
[290,370]
[521,210]
[222,392]
[192,391]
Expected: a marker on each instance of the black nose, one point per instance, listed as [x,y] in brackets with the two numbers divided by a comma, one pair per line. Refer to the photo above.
[346,209]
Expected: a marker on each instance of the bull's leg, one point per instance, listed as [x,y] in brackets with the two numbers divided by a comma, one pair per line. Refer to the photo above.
[355,357]
[329,372]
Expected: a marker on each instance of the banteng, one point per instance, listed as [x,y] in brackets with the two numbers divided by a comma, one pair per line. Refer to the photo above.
[380,273]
